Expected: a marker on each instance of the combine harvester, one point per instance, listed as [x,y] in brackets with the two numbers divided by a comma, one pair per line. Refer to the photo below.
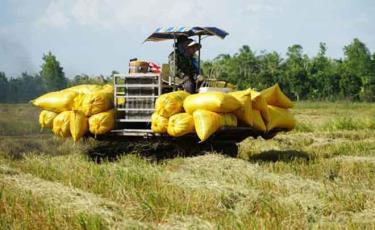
[150,108]
[140,88]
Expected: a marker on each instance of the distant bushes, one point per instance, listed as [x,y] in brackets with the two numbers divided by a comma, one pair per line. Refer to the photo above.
[27,86]
[336,124]
[302,77]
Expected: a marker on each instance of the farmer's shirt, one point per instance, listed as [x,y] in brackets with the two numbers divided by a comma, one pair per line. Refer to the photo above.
[185,66]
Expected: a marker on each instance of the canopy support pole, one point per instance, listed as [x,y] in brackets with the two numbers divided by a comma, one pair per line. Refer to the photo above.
[174,63]
[199,54]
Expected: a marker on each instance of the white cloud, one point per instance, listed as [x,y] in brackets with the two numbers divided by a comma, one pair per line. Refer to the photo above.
[264,6]
[126,13]
[361,20]
[55,15]
[132,13]
[96,13]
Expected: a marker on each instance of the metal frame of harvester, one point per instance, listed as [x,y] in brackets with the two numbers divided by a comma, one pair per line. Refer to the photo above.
[140,91]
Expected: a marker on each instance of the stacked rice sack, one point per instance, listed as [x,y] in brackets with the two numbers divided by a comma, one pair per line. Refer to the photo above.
[179,113]
[271,110]
[169,109]
[77,110]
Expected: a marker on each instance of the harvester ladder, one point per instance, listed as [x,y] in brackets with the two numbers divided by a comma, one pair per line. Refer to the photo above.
[135,96]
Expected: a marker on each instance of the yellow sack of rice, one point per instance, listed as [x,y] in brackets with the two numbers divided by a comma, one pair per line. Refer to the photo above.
[244,112]
[93,103]
[61,124]
[212,101]
[207,122]
[260,104]
[102,123]
[79,125]
[120,101]
[258,122]
[108,88]
[84,88]
[46,119]
[228,120]
[77,102]
[280,118]
[180,124]
[274,96]
[58,101]
[170,103]
[159,124]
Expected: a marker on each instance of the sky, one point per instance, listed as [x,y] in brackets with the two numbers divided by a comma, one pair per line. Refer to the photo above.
[97,36]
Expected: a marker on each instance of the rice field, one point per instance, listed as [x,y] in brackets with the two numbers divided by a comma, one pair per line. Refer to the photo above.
[319,176]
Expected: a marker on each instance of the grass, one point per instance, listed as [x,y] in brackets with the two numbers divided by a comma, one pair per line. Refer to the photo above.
[22,210]
[16,120]
[321,175]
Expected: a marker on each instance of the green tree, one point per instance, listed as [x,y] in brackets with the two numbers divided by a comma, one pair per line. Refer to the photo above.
[270,71]
[238,69]
[246,68]
[296,75]
[80,79]
[24,88]
[114,72]
[357,61]
[222,68]
[52,73]
[301,77]
[350,85]
[3,87]
[324,76]
[86,79]
[370,95]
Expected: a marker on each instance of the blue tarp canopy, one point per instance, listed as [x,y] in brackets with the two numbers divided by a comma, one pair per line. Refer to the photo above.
[167,33]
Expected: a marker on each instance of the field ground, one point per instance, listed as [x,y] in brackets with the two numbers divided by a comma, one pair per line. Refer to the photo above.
[321,175]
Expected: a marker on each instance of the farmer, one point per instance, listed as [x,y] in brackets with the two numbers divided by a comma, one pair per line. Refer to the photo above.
[184,65]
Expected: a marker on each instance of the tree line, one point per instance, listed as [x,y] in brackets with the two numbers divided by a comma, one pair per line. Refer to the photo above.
[26,87]
[301,77]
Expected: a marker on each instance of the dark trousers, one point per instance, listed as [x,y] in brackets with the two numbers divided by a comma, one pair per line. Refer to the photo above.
[190,85]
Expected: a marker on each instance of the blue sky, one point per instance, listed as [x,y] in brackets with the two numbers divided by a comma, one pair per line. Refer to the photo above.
[98,36]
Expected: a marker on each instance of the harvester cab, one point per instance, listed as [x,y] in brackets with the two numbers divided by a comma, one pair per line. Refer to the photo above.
[173,34]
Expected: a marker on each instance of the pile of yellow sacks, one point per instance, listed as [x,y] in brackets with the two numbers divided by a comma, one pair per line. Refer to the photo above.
[77,110]
[179,113]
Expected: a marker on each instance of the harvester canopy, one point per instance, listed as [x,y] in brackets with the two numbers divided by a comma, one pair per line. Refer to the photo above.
[168,33]
[172,33]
